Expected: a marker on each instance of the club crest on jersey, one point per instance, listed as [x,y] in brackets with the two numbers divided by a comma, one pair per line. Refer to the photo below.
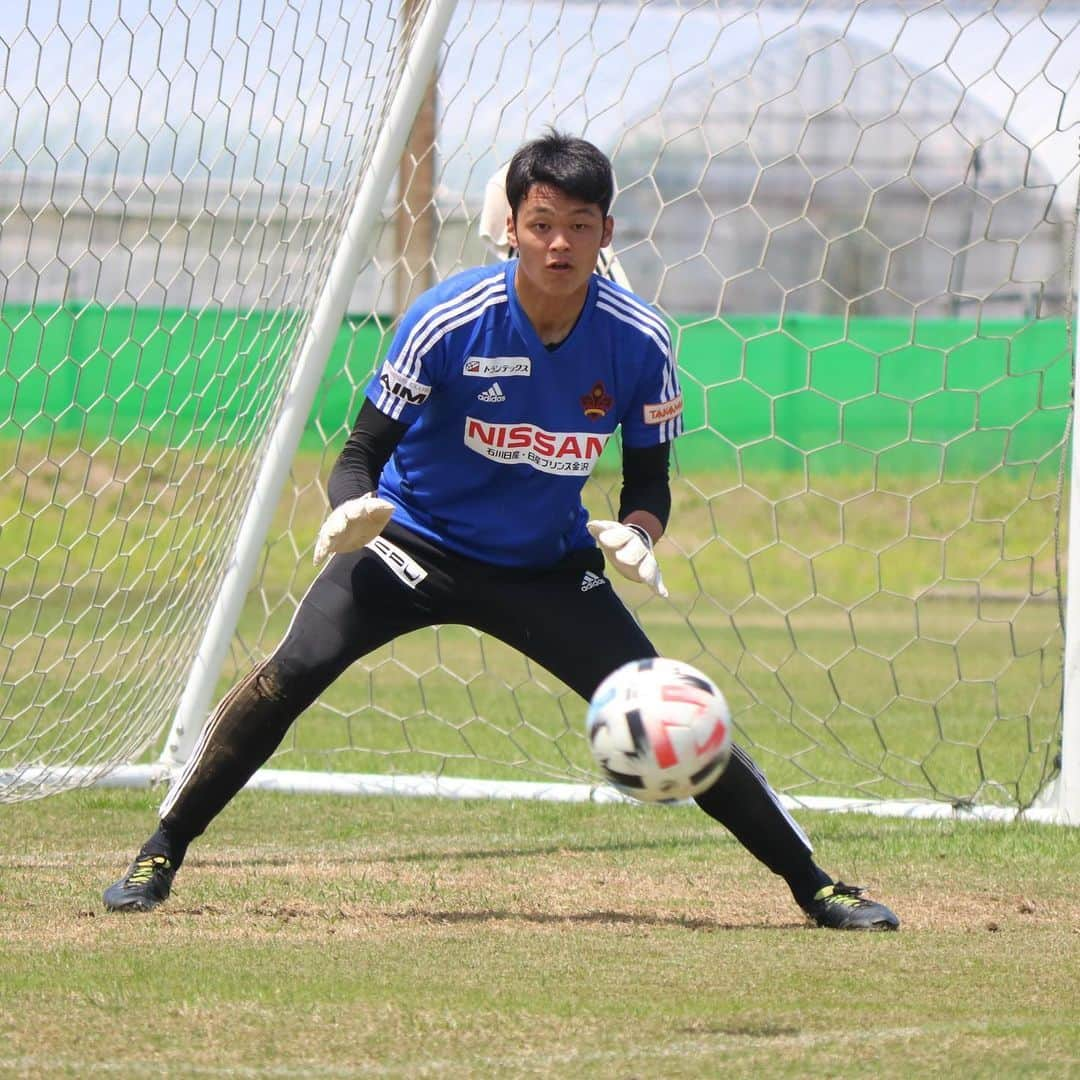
[565,453]
[663,410]
[497,367]
[402,387]
[597,402]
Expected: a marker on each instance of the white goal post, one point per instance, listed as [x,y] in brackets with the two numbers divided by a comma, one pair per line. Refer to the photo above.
[860,221]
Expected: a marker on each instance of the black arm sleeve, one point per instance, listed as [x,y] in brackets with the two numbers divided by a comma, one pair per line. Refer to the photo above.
[367,450]
[645,481]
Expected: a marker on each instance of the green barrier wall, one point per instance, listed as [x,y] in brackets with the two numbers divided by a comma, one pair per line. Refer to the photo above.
[844,395]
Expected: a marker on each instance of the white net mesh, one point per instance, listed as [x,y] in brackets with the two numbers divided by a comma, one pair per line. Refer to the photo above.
[173,191]
[858,219]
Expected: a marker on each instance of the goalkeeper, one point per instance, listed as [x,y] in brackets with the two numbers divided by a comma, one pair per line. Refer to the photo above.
[457,499]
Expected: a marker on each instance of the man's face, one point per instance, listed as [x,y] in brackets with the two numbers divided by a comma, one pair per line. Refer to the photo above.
[558,239]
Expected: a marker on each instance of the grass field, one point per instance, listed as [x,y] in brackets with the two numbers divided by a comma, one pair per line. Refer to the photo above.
[894,635]
[330,937]
[891,635]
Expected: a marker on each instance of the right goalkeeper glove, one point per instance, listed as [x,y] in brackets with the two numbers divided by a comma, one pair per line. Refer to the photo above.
[353,524]
[630,549]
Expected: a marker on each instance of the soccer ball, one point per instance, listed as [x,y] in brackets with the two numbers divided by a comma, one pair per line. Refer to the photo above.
[659,729]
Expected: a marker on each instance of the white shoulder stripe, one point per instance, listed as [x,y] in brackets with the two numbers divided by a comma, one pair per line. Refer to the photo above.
[409,356]
[630,303]
[393,406]
[638,316]
[671,429]
[423,338]
[657,333]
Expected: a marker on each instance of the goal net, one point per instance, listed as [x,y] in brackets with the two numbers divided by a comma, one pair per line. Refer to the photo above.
[859,220]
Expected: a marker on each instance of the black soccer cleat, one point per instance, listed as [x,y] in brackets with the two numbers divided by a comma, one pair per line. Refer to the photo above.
[146,884]
[842,907]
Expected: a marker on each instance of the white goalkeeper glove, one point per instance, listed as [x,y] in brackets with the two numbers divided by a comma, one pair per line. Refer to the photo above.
[351,525]
[630,548]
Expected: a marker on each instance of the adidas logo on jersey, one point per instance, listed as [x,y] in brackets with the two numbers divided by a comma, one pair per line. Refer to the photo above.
[492,394]
[590,581]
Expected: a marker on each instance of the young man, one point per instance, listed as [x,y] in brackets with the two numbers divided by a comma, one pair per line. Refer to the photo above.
[495,216]
[457,499]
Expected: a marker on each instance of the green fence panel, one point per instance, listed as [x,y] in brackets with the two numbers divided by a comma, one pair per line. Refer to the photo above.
[810,392]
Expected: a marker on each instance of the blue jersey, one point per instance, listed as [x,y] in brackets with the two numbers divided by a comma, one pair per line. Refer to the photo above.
[503,431]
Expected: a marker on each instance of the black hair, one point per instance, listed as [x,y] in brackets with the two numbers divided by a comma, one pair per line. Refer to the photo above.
[574,166]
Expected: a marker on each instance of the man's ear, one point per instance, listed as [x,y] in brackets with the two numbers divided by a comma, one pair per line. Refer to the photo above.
[609,231]
[511,229]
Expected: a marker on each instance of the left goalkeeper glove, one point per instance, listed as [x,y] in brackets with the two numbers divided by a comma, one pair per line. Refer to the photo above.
[630,548]
[352,524]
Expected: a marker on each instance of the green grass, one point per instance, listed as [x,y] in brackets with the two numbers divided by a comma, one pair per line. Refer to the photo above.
[394,938]
[890,636]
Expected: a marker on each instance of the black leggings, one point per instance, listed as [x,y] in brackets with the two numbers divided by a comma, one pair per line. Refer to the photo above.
[568,619]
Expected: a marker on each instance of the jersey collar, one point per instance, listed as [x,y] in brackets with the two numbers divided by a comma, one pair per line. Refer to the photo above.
[525,328]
